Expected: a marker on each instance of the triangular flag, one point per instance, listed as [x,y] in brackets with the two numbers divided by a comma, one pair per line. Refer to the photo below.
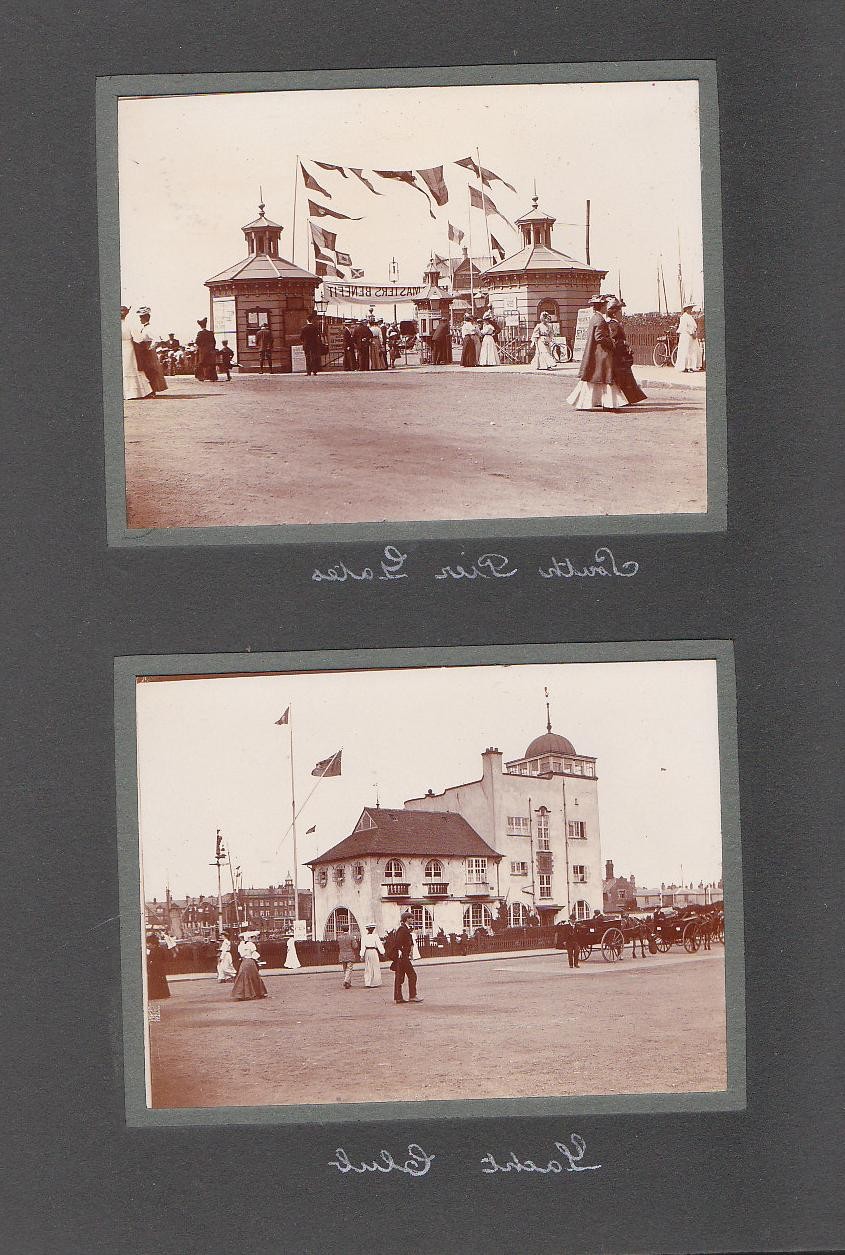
[406,176]
[479,201]
[311,183]
[469,164]
[328,766]
[320,211]
[313,828]
[327,269]
[327,165]
[284,719]
[488,177]
[434,181]
[496,246]
[360,175]
[455,234]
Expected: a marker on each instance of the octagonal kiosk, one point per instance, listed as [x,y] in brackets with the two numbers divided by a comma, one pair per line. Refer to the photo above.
[432,305]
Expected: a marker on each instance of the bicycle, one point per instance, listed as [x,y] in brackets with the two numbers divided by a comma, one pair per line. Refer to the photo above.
[666,350]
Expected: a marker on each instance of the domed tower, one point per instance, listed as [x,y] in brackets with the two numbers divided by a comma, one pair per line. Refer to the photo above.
[552,754]
[262,290]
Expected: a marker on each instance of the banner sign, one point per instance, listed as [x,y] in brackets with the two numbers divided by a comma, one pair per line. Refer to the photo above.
[385,292]
[584,319]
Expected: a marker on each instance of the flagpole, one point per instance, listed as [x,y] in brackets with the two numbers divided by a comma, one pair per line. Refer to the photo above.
[471,279]
[484,205]
[234,891]
[293,228]
[293,821]
[321,777]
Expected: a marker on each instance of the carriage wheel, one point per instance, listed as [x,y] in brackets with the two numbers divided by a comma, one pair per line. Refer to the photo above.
[612,945]
[660,356]
[692,938]
[585,952]
[675,356]
[663,945]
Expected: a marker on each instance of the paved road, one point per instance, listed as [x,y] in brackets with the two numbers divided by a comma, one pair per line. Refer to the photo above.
[405,445]
[508,1027]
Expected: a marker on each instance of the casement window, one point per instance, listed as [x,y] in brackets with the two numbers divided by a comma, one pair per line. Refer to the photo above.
[582,909]
[545,890]
[339,875]
[433,870]
[477,916]
[519,825]
[393,869]
[476,871]
[579,873]
[576,830]
[542,832]
[518,915]
[519,867]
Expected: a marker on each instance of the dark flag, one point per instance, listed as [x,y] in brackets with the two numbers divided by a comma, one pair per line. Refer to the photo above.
[496,246]
[327,270]
[343,259]
[328,766]
[482,201]
[434,181]
[284,719]
[312,184]
[455,234]
[486,176]
[359,174]
[320,211]
[327,165]
[322,238]
[406,176]
[313,828]
[220,852]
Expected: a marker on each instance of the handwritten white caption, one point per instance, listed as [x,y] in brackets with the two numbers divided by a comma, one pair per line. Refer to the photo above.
[486,566]
[418,1162]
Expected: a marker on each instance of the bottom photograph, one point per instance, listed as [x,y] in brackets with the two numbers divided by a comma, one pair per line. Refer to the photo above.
[428,883]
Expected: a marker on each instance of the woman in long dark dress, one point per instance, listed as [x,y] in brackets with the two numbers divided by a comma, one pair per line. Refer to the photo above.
[248,983]
[157,986]
[622,356]
[471,343]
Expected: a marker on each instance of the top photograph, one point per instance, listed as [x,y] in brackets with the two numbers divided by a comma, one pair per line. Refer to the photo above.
[459,306]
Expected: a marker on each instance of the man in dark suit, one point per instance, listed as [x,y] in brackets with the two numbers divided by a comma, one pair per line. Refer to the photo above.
[441,344]
[312,342]
[570,940]
[264,344]
[362,337]
[402,965]
[350,357]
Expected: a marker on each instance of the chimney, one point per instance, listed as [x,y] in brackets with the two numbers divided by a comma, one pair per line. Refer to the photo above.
[608,869]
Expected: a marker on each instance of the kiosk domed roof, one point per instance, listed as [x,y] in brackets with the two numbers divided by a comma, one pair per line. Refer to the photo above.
[549,743]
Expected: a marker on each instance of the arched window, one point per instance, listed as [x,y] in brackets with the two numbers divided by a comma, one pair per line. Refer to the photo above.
[323,877]
[477,916]
[434,869]
[582,909]
[358,872]
[339,918]
[518,915]
[339,875]
[393,869]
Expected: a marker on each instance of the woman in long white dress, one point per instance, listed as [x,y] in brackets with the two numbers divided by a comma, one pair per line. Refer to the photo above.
[371,947]
[542,337]
[489,349]
[689,345]
[135,384]
[291,957]
[225,966]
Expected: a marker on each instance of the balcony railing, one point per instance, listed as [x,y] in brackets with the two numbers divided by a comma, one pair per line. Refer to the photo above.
[439,889]
[396,889]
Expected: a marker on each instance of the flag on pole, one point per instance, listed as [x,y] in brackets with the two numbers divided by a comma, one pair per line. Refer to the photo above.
[327,165]
[312,184]
[406,176]
[357,274]
[284,719]
[320,211]
[455,234]
[327,270]
[328,766]
[496,246]
[480,200]
[434,181]
[486,176]
[308,831]
[359,174]
[323,238]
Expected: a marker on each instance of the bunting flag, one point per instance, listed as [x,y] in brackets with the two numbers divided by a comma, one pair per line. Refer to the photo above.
[328,766]
[479,200]
[486,176]
[312,184]
[308,831]
[284,719]
[327,165]
[322,238]
[406,176]
[343,259]
[320,211]
[358,274]
[497,248]
[320,255]
[328,270]
[360,175]
[455,234]
[435,183]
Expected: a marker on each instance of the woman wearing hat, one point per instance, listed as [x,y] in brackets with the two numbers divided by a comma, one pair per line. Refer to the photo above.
[135,385]
[157,986]
[371,948]
[542,337]
[623,358]
[689,345]
[471,342]
[248,983]
[206,352]
[225,966]
[597,389]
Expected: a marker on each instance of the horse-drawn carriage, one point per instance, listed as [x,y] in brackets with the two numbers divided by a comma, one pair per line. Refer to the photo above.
[605,932]
[688,926]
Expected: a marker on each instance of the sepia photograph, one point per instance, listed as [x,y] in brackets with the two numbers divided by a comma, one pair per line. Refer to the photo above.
[414,304]
[431,883]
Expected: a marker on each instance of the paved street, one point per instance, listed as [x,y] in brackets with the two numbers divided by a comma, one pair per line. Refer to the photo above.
[414,444]
[505,1027]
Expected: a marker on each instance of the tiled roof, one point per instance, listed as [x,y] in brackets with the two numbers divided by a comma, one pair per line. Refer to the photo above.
[538,257]
[260,266]
[435,834]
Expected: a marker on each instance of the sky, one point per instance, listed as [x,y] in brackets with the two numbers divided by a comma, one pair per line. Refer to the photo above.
[211,756]
[190,169]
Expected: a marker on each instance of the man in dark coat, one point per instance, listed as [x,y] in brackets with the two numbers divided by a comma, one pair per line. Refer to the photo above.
[441,344]
[362,337]
[312,342]
[402,965]
[264,344]
[226,359]
[206,352]
[350,357]
[570,940]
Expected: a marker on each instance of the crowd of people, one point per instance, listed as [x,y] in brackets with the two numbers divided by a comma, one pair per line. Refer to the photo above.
[371,344]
